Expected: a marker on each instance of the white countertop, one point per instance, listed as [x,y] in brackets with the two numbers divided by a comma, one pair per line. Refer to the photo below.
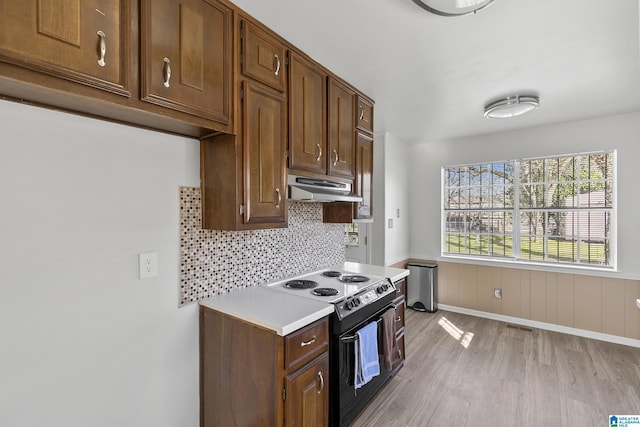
[391,273]
[282,312]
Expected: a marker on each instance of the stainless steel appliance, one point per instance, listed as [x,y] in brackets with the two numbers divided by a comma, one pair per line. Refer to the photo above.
[358,300]
[422,287]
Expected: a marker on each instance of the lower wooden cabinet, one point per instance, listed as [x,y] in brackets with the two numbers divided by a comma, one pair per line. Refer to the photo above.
[250,376]
[307,397]
[400,304]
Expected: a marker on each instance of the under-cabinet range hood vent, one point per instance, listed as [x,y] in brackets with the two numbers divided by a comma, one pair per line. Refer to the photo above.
[303,189]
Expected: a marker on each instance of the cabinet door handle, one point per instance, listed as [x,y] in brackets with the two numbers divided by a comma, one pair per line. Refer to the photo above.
[306,343]
[102,47]
[361,114]
[167,72]
[319,152]
[398,319]
[277,58]
[335,153]
[321,378]
[279,200]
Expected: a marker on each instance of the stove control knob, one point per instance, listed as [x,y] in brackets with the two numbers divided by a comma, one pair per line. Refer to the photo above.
[349,305]
[382,288]
[356,302]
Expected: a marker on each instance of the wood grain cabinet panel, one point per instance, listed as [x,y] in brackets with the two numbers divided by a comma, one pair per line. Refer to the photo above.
[264,138]
[341,128]
[307,395]
[365,114]
[187,57]
[263,57]
[83,41]
[364,176]
[307,115]
[245,379]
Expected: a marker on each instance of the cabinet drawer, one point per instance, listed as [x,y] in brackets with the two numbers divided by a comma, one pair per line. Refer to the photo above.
[365,114]
[401,286]
[399,318]
[400,342]
[306,343]
[263,57]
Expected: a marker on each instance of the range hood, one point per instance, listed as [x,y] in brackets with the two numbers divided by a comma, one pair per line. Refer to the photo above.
[304,189]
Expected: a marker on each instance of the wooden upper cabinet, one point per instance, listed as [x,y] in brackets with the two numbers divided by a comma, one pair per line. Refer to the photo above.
[83,41]
[364,176]
[365,114]
[307,115]
[262,57]
[264,135]
[341,128]
[186,57]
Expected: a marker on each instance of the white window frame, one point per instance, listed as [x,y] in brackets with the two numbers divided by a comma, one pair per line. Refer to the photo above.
[516,233]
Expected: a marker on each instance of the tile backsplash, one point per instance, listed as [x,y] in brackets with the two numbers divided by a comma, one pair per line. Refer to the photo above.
[214,262]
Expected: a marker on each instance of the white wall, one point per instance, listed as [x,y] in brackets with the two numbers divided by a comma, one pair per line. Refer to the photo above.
[83,342]
[617,132]
[396,198]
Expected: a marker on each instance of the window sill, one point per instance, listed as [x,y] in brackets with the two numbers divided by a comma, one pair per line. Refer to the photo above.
[537,266]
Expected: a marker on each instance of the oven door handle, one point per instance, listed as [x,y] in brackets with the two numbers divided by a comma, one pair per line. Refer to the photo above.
[352,338]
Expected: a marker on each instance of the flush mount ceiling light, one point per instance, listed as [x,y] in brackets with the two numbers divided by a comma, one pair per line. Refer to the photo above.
[453,7]
[511,106]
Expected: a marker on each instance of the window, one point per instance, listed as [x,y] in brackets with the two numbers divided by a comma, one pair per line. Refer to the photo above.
[553,210]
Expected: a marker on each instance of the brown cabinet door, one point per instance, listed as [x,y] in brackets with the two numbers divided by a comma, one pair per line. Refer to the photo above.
[341,124]
[364,176]
[83,41]
[307,115]
[263,57]
[186,56]
[365,114]
[264,133]
[307,392]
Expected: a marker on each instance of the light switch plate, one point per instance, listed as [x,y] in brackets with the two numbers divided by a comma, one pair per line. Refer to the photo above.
[390,223]
[148,265]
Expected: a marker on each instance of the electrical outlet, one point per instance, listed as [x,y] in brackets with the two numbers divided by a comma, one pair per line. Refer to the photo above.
[148,265]
[497,292]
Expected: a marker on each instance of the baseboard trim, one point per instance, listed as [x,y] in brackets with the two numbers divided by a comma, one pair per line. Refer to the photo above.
[542,325]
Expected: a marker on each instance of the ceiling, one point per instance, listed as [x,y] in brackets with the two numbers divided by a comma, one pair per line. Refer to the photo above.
[431,76]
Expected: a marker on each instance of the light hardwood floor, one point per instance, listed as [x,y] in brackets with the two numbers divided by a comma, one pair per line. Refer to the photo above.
[467,371]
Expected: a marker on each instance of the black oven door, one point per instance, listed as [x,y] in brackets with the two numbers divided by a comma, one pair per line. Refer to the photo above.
[346,401]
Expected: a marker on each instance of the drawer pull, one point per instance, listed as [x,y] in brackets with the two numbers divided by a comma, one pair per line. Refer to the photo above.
[321,378]
[277,58]
[306,343]
[167,72]
[102,47]
[279,198]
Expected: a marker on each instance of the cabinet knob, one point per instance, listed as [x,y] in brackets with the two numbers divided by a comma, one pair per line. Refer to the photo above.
[167,72]
[319,152]
[321,379]
[102,48]
[277,58]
